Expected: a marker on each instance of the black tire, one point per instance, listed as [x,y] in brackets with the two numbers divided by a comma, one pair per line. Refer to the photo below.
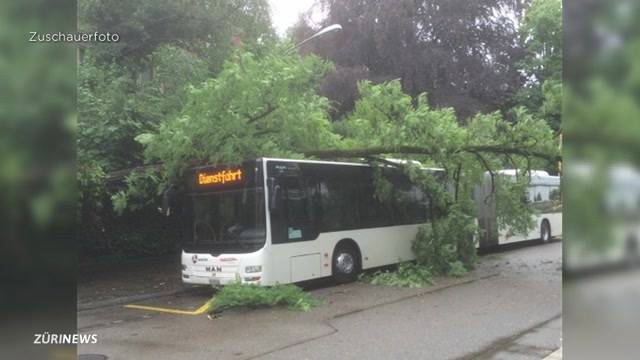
[345,264]
[545,231]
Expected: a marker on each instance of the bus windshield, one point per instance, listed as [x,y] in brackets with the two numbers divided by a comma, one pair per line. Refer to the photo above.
[228,221]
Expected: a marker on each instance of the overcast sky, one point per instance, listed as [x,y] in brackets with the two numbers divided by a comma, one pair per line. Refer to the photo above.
[284,13]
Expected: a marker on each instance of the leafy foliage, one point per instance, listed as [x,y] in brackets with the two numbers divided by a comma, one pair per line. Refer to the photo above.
[91,177]
[255,107]
[204,28]
[236,294]
[140,190]
[108,115]
[129,87]
[132,86]
[541,37]
[457,269]
[386,117]
[407,274]
[444,242]
[386,122]
[513,207]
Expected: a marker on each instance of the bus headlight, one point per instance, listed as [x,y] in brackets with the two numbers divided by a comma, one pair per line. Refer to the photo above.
[253,269]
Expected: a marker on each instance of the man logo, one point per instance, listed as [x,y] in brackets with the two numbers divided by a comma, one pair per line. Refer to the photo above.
[213,268]
[194,258]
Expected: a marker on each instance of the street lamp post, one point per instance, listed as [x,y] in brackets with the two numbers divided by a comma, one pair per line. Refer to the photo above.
[323,31]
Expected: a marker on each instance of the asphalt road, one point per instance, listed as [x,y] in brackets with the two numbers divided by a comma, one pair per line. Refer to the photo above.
[509,308]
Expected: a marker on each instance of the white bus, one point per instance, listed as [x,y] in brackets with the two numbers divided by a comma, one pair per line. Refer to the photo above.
[281,221]
[543,195]
[273,221]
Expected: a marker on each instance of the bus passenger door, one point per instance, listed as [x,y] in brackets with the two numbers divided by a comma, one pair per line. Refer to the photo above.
[292,221]
[292,227]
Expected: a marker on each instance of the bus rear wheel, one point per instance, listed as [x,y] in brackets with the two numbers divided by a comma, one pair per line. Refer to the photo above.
[545,231]
[346,264]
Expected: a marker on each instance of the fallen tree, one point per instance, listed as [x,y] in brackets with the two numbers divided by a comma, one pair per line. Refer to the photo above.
[233,118]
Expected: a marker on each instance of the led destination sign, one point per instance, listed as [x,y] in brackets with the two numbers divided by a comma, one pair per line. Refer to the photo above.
[220,177]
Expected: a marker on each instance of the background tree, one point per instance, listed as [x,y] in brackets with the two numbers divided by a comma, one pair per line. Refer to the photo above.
[541,37]
[464,53]
[130,86]
[134,85]
[204,28]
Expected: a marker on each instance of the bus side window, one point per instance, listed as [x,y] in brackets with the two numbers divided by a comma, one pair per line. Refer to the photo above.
[314,203]
[372,211]
[555,198]
[294,221]
[338,198]
[297,205]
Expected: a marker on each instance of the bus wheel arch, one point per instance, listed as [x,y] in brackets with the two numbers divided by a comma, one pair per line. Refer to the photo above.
[545,230]
[346,261]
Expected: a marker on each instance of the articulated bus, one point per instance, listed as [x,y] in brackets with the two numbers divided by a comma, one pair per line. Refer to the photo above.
[273,221]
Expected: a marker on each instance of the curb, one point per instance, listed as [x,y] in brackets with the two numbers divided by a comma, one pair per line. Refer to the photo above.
[134,298]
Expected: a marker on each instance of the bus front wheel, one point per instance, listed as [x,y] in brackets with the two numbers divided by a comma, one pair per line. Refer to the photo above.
[346,264]
[545,231]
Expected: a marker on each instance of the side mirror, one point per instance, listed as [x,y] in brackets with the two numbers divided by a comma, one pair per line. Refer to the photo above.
[274,194]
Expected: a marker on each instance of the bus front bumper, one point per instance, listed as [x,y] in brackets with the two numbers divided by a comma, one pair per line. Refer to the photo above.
[215,281]
[205,269]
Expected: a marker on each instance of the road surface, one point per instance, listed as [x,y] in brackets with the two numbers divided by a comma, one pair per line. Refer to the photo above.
[510,307]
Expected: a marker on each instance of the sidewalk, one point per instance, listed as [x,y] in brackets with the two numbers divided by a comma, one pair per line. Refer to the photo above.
[114,283]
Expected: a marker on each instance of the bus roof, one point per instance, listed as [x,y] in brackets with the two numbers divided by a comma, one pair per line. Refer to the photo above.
[397,161]
[538,177]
